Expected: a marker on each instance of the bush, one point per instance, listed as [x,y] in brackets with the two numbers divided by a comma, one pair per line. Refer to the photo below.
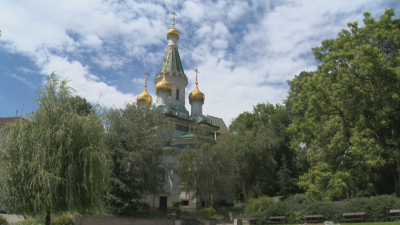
[376,207]
[64,220]
[207,212]
[258,204]
[331,211]
[178,210]
[3,221]
[144,206]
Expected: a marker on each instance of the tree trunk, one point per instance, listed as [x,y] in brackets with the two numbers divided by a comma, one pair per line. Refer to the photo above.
[47,219]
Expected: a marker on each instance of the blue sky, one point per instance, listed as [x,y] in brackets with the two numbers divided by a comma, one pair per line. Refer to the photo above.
[245,50]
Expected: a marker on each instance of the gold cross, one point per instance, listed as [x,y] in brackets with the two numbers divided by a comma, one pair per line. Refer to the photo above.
[147,76]
[173,23]
[197,71]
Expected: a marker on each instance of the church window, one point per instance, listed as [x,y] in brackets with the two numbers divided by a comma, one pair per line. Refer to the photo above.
[177,94]
[185,203]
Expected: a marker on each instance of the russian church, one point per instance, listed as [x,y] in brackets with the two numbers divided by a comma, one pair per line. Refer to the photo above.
[171,82]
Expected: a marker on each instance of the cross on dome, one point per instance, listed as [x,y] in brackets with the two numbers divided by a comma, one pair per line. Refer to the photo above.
[197,71]
[147,76]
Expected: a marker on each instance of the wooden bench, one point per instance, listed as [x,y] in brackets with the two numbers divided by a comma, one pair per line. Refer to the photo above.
[276,220]
[313,219]
[393,214]
[354,217]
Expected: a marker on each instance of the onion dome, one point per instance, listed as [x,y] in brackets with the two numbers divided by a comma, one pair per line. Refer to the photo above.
[173,31]
[164,85]
[196,95]
[144,97]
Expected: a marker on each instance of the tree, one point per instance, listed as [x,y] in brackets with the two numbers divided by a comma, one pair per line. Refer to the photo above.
[55,161]
[269,122]
[135,136]
[286,183]
[81,106]
[348,113]
[205,171]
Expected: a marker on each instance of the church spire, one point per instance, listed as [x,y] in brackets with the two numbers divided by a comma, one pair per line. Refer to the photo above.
[144,97]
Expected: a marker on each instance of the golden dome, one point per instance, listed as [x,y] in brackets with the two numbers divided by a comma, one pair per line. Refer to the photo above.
[144,97]
[196,95]
[173,31]
[164,85]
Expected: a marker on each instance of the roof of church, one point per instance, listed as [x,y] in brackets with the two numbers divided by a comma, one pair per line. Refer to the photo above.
[7,120]
[174,62]
[223,129]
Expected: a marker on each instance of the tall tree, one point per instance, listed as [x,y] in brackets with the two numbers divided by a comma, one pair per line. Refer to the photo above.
[268,122]
[55,161]
[205,170]
[351,108]
[135,135]
[81,106]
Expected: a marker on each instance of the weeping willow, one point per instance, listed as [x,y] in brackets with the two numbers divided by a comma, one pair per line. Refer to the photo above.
[54,161]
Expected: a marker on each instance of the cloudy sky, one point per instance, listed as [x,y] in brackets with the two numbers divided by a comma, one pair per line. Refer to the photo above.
[245,50]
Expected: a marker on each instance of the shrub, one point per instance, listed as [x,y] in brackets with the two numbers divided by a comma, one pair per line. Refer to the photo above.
[207,212]
[144,206]
[64,220]
[258,204]
[376,207]
[330,210]
[177,206]
[3,221]
[287,209]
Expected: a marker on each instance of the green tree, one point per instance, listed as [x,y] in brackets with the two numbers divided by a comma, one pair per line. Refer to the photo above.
[205,170]
[347,115]
[81,106]
[272,121]
[56,161]
[135,136]
[286,183]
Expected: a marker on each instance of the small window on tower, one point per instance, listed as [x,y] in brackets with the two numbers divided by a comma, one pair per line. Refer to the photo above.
[177,94]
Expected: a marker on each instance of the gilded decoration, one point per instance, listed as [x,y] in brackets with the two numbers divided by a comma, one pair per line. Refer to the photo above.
[144,97]
[196,95]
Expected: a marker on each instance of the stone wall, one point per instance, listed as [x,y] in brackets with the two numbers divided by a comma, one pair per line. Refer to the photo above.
[112,220]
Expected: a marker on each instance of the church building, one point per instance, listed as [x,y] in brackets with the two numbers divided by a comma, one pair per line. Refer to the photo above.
[171,82]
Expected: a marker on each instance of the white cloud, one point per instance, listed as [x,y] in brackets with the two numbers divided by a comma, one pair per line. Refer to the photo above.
[245,50]
[86,84]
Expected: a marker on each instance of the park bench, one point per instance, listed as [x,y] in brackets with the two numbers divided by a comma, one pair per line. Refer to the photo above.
[393,214]
[313,219]
[276,220]
[354,217]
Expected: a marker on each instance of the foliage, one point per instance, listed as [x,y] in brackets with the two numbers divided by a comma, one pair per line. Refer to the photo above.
[331,211]
[135,136]
[206,169]
[259,140]
[144,206]
[207,212]
[3,221]
[347,114]
[55,161]
[286,183]
[258,204]
[178,210]
[64,220]
[376,207]
[81,106]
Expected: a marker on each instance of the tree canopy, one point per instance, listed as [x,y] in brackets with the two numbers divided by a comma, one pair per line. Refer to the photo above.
[135,136]
[346,114]
[56,160]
